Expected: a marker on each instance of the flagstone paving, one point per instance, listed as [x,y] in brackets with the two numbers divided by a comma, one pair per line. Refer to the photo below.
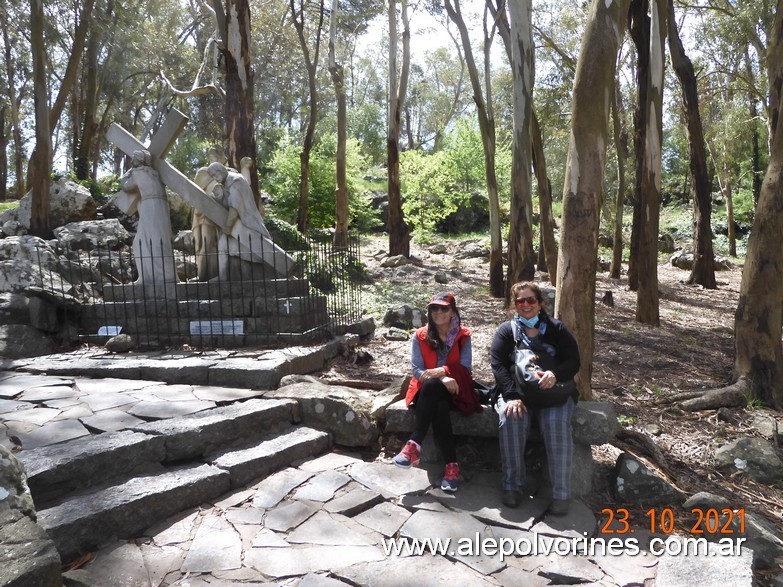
[322,521]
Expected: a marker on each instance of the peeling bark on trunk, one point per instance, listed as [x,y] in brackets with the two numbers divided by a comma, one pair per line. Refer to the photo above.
[341,187]
[41,163]
[548,245]
[583,189]
[758,321]
[521,257]
[725,188]
[3,154]
[399,232]
[487,129]
[703,272]
[639,29]
[15,119]
[647,303]
[620,144]
[239,105]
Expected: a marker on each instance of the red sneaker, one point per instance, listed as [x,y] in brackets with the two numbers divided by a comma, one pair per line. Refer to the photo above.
[450,477]
[409,455]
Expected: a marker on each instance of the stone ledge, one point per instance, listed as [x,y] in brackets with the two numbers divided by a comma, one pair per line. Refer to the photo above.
[594,423]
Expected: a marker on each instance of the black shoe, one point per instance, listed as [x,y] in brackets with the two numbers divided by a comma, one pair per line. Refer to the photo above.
[558,507]
[510,498]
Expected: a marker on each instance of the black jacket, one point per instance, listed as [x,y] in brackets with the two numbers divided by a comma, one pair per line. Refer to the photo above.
[565,363]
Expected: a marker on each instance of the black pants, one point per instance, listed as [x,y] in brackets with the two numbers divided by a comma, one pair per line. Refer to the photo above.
[433,406]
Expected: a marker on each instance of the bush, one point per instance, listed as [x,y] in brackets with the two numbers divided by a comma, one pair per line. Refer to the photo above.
[283,185]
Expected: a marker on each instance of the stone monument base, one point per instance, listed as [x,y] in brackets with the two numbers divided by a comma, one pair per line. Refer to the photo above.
[223,314]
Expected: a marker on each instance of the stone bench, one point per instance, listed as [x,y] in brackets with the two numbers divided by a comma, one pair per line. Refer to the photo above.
[594,423]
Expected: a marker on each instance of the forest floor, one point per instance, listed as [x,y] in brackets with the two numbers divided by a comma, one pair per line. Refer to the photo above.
[635,366]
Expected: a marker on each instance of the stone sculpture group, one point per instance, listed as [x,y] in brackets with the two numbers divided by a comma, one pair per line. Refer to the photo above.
[231,251]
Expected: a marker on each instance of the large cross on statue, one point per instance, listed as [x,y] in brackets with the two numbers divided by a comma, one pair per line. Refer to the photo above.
[160,144]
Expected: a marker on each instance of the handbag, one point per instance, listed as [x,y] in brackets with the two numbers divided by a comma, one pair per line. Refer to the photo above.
[487,395]
[525,368]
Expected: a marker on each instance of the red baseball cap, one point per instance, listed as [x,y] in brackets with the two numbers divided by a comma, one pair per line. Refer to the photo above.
[443,298]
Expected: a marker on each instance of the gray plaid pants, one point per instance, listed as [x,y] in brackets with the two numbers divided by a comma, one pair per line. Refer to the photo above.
[555,427]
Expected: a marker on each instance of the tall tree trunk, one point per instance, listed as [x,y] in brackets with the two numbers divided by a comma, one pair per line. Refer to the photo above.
[548,245]
[341,188]
[399,232]
[83,140]
[755,158]
[647,303]
[3,154]
[758,320]
[41,163]
[15,122]
[725,188]
[521,257]
[703,272]
[639,29]
[621,147]
[487,129]
[583,189]
[239,106]
[66,84]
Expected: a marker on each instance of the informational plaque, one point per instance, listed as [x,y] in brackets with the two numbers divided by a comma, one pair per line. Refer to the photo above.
[217,327]
[109,330]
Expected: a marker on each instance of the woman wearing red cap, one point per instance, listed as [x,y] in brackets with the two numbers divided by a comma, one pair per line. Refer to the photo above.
[442,361]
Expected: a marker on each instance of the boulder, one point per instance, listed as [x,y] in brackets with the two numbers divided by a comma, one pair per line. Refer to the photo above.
[68,202]
[634,483]
[28,261]
[594,423]
[27,555]
[754,456]
[90,235]
[14,308]
[342,411]
[405,317]
[18,341]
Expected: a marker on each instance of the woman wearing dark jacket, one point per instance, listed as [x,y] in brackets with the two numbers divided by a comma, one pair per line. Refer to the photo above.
[557,355]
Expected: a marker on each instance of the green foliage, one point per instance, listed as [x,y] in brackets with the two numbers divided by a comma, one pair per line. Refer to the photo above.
[367,124]
[436,185]
[283,184]
[8,205]
[624,420]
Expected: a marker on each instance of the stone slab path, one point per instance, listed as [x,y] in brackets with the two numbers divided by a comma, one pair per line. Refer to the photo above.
[323,521]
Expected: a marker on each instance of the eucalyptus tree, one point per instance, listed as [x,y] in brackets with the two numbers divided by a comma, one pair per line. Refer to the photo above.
[703,272]
[16,61]
[486,120]
[517,36]
[46,119]
[758,321]
[41,163]
[647,302]
[583,189]
[309,28]
[399,232]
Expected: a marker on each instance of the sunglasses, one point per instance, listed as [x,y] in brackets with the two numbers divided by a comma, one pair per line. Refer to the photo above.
[530,300]
[440,308]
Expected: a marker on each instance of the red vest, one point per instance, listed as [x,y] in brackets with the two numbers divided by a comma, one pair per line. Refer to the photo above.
[453,369]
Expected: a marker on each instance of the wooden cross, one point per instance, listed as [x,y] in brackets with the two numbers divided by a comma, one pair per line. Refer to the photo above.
[160,145]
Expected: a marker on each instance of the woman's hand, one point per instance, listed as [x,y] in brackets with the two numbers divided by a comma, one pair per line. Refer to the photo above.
[451,385]
[546,379]
[514,409]
[436,373]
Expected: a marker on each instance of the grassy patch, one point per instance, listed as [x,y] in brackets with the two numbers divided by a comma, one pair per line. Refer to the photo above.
[8,205]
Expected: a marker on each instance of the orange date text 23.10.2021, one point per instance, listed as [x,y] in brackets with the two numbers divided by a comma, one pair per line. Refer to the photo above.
[723,521]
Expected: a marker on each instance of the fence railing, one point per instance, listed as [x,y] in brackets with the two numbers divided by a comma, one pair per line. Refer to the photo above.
[243,294]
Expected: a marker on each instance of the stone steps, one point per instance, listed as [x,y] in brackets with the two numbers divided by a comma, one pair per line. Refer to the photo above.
[160,468]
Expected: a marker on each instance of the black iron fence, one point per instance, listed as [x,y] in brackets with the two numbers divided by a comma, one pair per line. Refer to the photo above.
[217,294]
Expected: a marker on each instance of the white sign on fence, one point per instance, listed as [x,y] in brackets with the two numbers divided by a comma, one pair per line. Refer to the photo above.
[109,330]
[217,327]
